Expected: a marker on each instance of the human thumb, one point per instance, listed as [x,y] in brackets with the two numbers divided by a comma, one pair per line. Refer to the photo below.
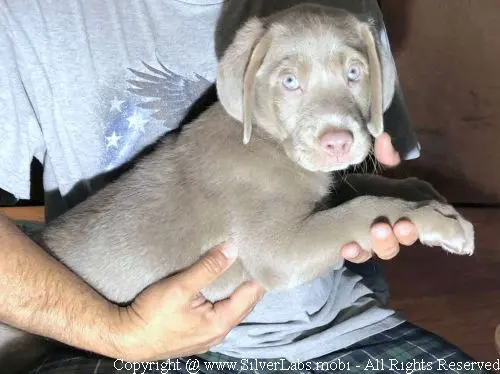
[208,268]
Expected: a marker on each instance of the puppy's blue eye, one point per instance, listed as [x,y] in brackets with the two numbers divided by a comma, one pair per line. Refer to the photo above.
[353,73]
[290,82]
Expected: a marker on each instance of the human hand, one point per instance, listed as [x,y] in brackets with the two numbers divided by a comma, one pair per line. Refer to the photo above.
[385,242]
[171,319]
[385,152]
[385,239]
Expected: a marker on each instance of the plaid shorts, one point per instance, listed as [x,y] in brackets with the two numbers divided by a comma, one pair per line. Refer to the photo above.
[404,349]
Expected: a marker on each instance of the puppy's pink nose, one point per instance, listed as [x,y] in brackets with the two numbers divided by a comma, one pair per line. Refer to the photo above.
[336,142]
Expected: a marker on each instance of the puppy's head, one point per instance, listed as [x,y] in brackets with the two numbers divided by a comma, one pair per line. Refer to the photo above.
[315,79]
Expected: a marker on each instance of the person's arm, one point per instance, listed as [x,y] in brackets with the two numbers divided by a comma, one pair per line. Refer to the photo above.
[40,295]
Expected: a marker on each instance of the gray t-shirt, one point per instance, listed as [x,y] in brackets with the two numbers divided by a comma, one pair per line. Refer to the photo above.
[85,85]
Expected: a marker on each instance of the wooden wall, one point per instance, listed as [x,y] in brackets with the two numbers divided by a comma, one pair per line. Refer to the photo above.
[448,56]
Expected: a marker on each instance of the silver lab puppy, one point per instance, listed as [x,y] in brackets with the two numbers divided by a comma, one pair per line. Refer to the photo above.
[302,94]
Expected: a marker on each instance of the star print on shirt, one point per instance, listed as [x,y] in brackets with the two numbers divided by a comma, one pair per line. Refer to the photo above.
[155,102]
[116,105]
[136,122]
[112,141]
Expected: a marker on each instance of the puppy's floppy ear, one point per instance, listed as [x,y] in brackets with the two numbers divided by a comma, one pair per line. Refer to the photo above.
[237,70]
[382,78]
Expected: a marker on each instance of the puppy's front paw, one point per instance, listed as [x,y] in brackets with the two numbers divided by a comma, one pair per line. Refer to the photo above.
[441,225]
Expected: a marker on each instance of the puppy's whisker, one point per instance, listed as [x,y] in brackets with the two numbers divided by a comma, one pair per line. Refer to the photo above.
[374,169]
[377,165]
[350,185]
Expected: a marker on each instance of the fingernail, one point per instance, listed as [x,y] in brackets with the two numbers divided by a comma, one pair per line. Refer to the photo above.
[389,141]
[381,232]
[351,252]
[197,301]
[390,146]
[230,251]
[404,230]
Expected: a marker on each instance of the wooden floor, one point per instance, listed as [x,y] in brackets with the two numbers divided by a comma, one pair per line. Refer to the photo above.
[24,213]
[455,297]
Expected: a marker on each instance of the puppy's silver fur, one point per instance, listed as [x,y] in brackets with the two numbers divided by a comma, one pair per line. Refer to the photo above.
[259,184]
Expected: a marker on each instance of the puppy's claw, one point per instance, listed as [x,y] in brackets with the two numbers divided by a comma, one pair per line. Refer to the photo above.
[444,227]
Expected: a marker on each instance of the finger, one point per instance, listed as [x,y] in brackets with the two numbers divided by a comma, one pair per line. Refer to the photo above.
[406,232]
[384,242]
[235,308]
[206,270]
[354,253]
[197,301]
[385,152]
